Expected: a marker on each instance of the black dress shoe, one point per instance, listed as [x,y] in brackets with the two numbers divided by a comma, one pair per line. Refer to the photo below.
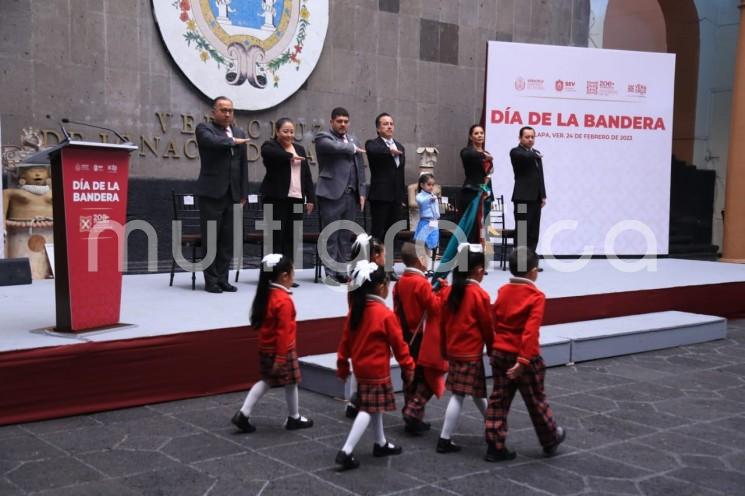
[301,422]
[213,288]
[499,455]
[295,285]
[347,461]
[561,433]
[447,446]
[388,449]
[415,426]
[351,411]
[227,287]
[241,421]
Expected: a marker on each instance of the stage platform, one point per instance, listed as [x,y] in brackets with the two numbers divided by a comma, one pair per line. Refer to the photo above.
[183,343]
[561,344]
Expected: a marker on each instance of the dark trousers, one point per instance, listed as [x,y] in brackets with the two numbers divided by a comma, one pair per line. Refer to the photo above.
[416,396]
[465,198]
[383,215]
[339,243]
[287,211]
[530,385]
[528,224]
[220,212]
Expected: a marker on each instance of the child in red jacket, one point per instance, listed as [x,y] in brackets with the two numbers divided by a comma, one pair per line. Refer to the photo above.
[370,332]
[417,307]
[465,328]
[516,359]
[371,249]
[273,316]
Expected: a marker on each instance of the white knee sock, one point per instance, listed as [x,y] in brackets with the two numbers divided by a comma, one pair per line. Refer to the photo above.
[480,404]
[452,413]
[361,421]
[377,422]
[254,395]
[291,395]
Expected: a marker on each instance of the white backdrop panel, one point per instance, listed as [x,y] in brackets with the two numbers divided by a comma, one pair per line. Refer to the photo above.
[608,170]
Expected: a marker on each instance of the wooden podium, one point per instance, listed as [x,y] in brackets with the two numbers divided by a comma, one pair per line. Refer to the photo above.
[89,187]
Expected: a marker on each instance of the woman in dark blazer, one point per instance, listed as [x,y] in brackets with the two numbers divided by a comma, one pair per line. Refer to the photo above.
[287,185]
[477,165]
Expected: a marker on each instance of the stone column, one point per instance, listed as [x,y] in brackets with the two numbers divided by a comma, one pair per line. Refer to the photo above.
[734,201]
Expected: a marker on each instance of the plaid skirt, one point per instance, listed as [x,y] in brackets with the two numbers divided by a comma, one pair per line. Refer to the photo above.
[289,374]
[467,378]
[375,398]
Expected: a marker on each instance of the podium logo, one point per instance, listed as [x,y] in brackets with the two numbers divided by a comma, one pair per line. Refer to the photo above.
[86,223]
[256,52]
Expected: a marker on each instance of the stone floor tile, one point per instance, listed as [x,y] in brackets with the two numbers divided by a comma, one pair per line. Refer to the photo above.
[109,487]
[177,481]
[199,447]
[640,455]
[545,477]
[52,473]
[307,455]
[303,484]
[25,447]
[719,480]
[246,467]
[589,464]
[96,438]
[61,424]
[118,463]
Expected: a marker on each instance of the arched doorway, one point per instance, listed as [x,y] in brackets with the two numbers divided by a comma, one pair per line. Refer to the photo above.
[664,25]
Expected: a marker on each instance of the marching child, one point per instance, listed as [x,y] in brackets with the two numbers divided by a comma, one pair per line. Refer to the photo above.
[374,251]
[417,307]
[370,332]
[516,360]
[273,315]
[427,229]
[466,326]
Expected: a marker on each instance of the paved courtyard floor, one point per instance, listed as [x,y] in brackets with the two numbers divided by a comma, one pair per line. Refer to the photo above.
[662,423]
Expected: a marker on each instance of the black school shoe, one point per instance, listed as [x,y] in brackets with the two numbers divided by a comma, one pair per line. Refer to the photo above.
[415,426]
[447,446]
[346,461]
[495,455]
[301,422]
[241,422]
[388,449]
[561,433]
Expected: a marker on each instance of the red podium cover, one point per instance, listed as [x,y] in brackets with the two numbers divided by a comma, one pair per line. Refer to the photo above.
[89,184]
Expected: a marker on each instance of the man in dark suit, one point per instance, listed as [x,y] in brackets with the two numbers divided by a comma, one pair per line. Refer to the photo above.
[529,194]
[340,190]
[387,192]
[222,183]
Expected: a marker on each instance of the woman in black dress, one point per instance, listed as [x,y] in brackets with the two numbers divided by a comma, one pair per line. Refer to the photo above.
[287,185]
[477,165]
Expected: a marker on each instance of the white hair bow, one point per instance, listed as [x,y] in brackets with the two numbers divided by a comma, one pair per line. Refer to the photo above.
[362,272]
[269,261]
[363,241]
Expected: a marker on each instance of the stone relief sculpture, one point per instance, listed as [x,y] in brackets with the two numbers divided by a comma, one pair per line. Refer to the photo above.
[28,205]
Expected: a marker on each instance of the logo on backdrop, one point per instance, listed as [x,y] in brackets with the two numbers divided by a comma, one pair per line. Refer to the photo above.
[519,84]
[256,52]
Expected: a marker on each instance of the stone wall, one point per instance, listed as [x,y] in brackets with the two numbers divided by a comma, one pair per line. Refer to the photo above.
[103,61]
[422,60]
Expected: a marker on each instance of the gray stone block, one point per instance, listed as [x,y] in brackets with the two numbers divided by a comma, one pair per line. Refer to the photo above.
[448,43]
[429,40]
[389,5]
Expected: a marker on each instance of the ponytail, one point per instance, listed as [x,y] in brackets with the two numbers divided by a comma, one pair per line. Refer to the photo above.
[270,271]
[475,259]
[358,296]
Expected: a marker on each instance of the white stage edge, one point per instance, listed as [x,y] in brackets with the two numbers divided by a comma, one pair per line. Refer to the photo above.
[562,344]
[153,308]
